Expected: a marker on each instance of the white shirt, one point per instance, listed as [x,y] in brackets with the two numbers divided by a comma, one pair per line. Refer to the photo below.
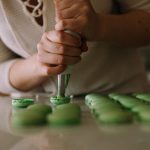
[103,68]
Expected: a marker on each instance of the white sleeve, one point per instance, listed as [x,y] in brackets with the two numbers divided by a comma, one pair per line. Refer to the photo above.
[135,4]
[7,58]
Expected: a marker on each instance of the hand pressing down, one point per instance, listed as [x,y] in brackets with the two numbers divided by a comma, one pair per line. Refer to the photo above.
[57,50]
[78,16]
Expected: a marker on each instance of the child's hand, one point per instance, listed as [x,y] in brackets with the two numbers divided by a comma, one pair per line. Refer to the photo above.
[78,16]
[58,49]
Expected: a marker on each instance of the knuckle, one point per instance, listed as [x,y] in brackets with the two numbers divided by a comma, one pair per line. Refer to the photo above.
[85,9]
[39,46]
[44,35]
[39,58]
[46,71]
[63,23]
[60,60]
[59,15]
[59,36]
[62,50]
[40,52]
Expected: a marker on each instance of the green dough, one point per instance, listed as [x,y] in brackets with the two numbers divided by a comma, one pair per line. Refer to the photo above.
[105,105]
[89,97]
[41,108]
[95,97]
[130,103]
[143,96]
[58,100]
[141,108]
[126,100]
[98,112]
[71,108]
[66,114]
[144,116]
[114,96]
[62,119]
[27,118]
[115,117]
[22,102]
[95,103]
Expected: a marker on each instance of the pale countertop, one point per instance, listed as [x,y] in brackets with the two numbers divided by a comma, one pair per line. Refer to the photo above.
[89,135]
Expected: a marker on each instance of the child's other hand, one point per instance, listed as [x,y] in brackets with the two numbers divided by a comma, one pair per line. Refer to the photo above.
[78,16]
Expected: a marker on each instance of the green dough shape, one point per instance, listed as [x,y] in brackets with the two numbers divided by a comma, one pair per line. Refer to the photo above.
[95,98]
[97,102]
[41,108]
[114,96]
[144,116]
[126,100]
[62,119]
[66,114]
[58,100]
[106,107]
[130,103]
[22,102]
[141,108]
[115,117]
[98,112]
[92,97]
[71,108]
[101,105]
[143,96]
[27,118]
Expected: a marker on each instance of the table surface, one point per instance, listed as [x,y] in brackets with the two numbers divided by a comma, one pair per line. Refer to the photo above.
[89,135]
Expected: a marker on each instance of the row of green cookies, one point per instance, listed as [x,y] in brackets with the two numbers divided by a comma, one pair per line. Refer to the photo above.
[119,108]
[29,114]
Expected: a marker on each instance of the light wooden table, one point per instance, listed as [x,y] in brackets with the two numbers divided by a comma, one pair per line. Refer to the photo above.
[89,135]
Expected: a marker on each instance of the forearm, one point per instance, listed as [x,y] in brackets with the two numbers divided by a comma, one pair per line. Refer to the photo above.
[24,75]
[128,30]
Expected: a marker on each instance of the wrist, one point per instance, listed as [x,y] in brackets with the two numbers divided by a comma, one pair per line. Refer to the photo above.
[24,74]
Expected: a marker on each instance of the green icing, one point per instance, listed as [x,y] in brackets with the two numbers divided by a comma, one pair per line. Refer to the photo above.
[58,100]
[22,102]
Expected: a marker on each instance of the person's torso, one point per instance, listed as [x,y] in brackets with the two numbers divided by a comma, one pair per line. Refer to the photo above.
[102,68]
